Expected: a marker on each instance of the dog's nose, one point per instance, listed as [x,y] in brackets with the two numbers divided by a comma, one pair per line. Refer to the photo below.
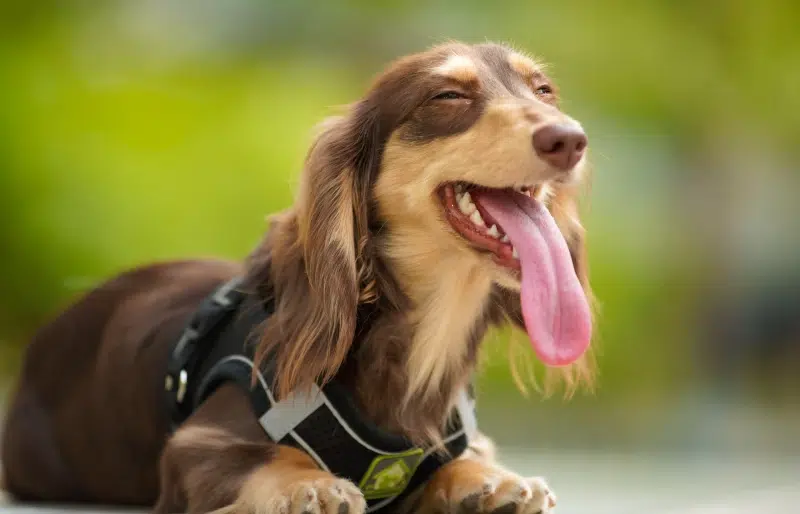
[560,144]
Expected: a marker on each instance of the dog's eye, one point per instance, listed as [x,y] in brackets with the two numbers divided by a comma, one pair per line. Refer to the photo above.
[544,90]
[449,95]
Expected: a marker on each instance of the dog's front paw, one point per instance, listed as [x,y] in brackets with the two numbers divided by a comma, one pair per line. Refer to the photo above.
[504,494]
[322,495]
[470,487]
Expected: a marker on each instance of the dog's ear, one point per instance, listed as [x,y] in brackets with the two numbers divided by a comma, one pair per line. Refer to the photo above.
[320,268]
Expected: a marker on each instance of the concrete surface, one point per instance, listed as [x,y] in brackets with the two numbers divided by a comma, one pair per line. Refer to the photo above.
[632,484]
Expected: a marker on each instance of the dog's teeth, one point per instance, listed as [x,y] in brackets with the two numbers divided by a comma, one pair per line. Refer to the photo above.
[459,188]
[475,217]
[493,232]
[461,202]
[514,254]
[466,206]
[504,238]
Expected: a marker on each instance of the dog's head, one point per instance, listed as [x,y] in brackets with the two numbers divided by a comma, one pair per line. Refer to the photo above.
[449,187]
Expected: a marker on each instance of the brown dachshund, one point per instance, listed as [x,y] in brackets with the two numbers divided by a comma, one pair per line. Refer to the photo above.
[442,203]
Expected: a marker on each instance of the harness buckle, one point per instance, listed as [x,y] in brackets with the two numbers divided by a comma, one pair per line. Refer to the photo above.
[202,323]
[183,379]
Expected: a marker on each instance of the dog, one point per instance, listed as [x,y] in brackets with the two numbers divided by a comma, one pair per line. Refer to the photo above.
[442,203]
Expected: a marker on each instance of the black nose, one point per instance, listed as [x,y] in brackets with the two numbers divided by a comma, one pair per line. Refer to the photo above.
[560,144]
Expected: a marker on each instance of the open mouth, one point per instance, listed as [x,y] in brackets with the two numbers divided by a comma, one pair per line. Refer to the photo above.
[521,235]
[473,222]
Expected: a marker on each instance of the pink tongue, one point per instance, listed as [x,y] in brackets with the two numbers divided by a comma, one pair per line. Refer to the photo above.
[554,306]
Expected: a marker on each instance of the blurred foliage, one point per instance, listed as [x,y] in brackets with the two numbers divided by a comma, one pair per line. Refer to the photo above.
[132,131]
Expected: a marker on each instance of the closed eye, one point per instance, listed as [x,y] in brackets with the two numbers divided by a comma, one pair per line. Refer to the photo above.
[449,95]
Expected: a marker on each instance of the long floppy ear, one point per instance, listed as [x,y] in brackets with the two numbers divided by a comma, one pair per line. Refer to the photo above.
[318,263]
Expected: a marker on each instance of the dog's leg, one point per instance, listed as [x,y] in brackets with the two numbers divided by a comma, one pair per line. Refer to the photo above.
[475,484]
[292,483]
[220,459]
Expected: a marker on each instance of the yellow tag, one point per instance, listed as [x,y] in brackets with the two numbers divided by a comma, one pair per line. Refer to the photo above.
[388,475]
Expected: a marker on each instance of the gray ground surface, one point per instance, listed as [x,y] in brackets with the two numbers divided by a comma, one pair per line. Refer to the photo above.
[636,484]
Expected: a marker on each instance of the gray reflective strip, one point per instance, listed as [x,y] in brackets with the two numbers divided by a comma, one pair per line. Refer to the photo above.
[466,411]
[284,416]
[267,390]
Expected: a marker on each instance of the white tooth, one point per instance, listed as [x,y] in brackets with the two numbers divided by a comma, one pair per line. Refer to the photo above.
[459,188]
[462,203]
[475,217]
[465,204]
[459,196]
[493,232]
[514,254]
[504,238]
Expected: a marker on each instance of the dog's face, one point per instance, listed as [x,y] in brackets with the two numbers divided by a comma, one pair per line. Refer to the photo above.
[472,118]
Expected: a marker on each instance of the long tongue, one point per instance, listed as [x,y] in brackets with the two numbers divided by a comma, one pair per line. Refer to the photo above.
[554,306]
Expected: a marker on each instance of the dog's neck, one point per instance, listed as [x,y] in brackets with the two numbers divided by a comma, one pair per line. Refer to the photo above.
[422,355]
[416,340]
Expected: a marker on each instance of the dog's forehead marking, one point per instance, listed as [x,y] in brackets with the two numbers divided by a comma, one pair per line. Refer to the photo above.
[458,67]
[523,65]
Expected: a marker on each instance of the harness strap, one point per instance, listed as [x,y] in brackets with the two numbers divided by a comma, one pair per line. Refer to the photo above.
[194,344]
[323,422]
[384,467]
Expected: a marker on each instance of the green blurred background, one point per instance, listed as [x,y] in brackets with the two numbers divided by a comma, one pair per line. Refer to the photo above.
[154,129]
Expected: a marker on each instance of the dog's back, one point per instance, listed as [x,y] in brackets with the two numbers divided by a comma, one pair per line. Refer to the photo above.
[59,442]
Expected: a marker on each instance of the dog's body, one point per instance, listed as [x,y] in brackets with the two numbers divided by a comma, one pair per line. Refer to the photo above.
[71,439]
[376,281]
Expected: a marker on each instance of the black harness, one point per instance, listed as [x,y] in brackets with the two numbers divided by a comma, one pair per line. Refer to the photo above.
[215,348]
